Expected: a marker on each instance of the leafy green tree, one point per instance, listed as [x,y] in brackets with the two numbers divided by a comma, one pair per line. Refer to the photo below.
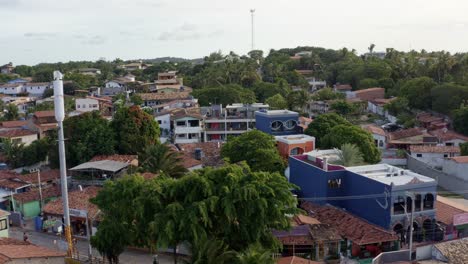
[326,94]
[350,155]
[397,106]
[14,153]
[11,112]
[342,107]
[368,83]
[323,124]
[45,75]
[448,97]
[264,90]
[460,120]
[207,251]
[24,70]
[418,92]
[136,99]
[297,100]
[386,83]
[277,101]
[224,95]
[36,152]
[134,130]
[257,149]
[161,158]
[81,80]
[464,149]
[111,239]
[342,134]
[255,254]
[88,135]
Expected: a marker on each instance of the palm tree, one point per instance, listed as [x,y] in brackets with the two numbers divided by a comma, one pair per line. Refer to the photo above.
[349,155]
[11,112]
[160,158]
[209,251]
[371,48]
[255,254]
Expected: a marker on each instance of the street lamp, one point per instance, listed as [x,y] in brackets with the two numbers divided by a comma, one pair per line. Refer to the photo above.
[59,108]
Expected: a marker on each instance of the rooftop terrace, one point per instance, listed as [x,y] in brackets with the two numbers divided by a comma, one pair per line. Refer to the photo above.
[388,174]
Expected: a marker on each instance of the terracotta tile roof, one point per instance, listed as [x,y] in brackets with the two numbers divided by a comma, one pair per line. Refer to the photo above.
[193,112]
[434,149]
[296,260]
[455,251]
[40,114]
[446,135]
[13,124]
[445,212]
[11,184]
[383,101]
[130,159]
[454,202]
[11,249]
[305,220]
[298,235]
[460,159]
[370,94]
[16,133]
[76,200]
[349,226]
[46,176]
[343,87]
[411,132]
[33,195]
[324,232]
[373,129]
[164,96]
[4,213]
[211,152]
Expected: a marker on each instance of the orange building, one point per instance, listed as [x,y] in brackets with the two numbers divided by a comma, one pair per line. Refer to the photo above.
[294,144]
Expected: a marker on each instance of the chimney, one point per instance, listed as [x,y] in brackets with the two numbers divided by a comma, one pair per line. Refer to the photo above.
[325,164]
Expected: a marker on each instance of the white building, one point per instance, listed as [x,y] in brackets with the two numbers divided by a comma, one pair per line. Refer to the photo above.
[379,135]
[449,137]
[36,89]
[315,84]
[377,107]
[187,127]
[20,136]
[457,166]
[23,103]
[164,121]
[12,88]
[432,155]
[86,105]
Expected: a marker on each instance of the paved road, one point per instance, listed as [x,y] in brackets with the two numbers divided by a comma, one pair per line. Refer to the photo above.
[47,240]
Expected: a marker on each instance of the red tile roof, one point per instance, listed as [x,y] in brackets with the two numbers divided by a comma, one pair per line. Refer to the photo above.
[34,195]
[13,124]
[373,129]
[446,135]
[343,87]
[76,200]
[11,184]
[211,152]
[11,249]
[130,159]
[46,176]
[460,159]
[370,94]
[445,212]
[40,114]
[434,149]
[164,96]
[16,133]
[411,132]
[349,226]
[296,260]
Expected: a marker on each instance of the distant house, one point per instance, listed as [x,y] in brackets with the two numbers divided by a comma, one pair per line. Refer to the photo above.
[431,122]
[448,137]
[434,155]
[78,200]
[7,68]
[450,213]
[4,224]
[29,203]
[369,94]
[11,125]
[168,82]
[90,71]
[101,168]
[12,88]
[37,89]
[156,99]
[377,106]
[301,54]
[116,86]
[134,66]
[413,136]
[318,107]
[13,251]
[42,122]
[201,154]
[278,122]
[86,104]
[315,84]
[377,54]
[188,125]
[294,144]
[379,135]
[457,167]
[19,136]
[342,88]
[23,103]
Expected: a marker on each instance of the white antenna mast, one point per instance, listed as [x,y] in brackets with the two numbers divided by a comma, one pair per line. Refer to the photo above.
[252,12]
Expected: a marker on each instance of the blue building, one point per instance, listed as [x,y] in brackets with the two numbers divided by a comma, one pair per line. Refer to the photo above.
[278,122]
[382,194]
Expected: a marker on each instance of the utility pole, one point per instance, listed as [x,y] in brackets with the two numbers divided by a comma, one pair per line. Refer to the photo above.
[252,13]
[412,196]
[60,116]
[40,188]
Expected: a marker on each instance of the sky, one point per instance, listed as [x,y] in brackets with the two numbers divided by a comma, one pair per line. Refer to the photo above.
[35,31]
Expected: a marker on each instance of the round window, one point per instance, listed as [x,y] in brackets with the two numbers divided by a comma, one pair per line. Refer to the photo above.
[276,125]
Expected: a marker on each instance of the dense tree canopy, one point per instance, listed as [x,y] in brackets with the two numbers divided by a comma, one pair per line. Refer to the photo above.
[418,92]
[134,129]
[277,101]
[224,95]
[257,149]
[460,120]
[88,135]
[161,158]
[448,97]
[322,125]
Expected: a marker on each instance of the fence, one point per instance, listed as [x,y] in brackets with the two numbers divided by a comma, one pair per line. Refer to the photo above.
[446,181]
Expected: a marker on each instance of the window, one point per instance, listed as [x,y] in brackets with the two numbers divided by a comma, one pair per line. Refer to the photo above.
[399,205]
[419,155]
[159,121]
[428,202]
[445,155]
[276,125]
[381,144]
[3,224]
[180,123]
[181,135]
[290,124]
[334,184]
[77,106]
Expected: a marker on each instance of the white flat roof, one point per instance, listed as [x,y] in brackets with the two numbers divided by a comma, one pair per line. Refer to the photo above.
[330,154]
[295,139]
[277,112]
[389,174]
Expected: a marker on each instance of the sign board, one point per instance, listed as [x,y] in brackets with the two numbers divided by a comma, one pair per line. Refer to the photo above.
[78,213]
[460,219]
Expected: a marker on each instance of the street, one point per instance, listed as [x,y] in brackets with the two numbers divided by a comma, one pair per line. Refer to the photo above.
[47,240]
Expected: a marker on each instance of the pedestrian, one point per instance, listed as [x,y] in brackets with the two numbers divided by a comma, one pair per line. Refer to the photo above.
[25,237]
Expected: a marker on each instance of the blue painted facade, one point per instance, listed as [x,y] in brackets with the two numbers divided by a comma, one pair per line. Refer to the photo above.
[278,122]
[320,186]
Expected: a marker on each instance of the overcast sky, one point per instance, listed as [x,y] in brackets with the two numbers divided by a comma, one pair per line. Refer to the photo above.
[36,31]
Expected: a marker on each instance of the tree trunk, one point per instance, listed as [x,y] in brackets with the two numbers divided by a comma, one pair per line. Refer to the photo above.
[175,254]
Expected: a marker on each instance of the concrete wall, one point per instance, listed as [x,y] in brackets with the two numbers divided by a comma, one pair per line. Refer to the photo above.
[434,159]
[446,181]
[453,168]
[4,232]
